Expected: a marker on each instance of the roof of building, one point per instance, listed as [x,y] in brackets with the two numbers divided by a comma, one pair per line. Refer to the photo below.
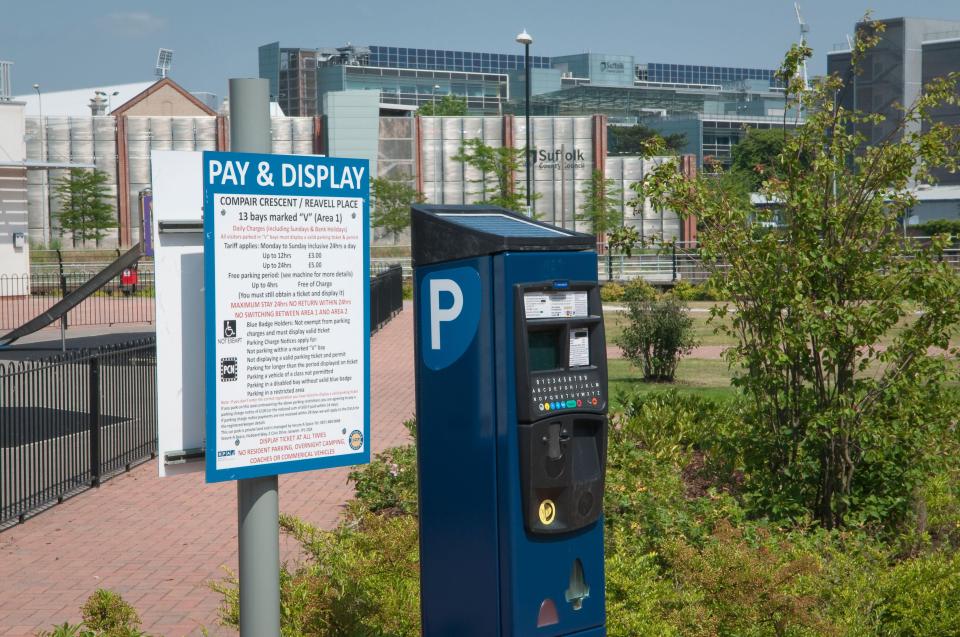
[76,102]
[938,193]
[157,86]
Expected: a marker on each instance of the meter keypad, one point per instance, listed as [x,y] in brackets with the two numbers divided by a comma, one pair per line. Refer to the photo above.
[569,389]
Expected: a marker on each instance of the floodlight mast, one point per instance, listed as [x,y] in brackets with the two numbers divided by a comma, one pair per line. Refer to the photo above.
[164,62]
[804,30]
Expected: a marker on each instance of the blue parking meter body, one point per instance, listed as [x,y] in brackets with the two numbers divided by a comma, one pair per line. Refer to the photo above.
[511,394]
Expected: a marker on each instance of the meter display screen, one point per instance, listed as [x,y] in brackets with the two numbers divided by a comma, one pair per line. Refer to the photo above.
[544,347]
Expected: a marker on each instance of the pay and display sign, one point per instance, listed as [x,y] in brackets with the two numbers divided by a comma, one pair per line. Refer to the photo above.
[286,269]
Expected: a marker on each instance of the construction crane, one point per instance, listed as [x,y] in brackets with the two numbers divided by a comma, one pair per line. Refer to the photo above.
[804,30]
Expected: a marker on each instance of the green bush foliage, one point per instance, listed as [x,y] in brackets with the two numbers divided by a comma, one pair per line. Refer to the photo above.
[940,226]
[105,614]
[389,483]
[611,292]
[709,290]
[688,553]
[639,290]
[657,333]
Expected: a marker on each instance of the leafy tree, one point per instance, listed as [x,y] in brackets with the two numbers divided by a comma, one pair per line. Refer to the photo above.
[448,105]
[636,140]
[844,396]
[86,213]
[498,165]
[624,239]
[602,210]
[391,201]
[756,155]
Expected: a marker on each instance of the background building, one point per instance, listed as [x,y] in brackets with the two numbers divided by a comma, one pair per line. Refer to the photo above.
[911,52]
[713,105]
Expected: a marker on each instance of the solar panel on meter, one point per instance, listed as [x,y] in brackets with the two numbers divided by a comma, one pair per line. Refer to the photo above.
[501,225]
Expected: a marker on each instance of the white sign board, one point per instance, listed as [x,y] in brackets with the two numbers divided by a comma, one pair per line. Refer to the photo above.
[286,246]
[554,304]
[178,265]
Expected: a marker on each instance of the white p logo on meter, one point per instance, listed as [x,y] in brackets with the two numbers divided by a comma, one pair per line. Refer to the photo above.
[438,315]
[449,314]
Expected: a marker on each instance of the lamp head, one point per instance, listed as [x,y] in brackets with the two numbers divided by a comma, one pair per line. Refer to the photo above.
[524,38]
[36,87]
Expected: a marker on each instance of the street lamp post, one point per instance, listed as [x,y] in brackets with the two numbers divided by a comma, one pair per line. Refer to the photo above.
[526,40]
[43,172]
[109,97]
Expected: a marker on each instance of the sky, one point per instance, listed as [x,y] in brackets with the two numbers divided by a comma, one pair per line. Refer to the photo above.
[63,44]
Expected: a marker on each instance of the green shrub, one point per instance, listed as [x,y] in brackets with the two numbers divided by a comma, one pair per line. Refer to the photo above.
[611,292]
[389,482]
[666,472]
[638,595]
[638,289]
[939,226]
[684,291]
[709,290]
[657,333]
[109,613]
[361,579]
[738,586]
[105,614]
[712,289]
[918,597]
[408,289]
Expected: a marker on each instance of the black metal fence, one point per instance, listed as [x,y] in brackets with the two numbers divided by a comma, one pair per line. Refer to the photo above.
[69,422]
[386,296]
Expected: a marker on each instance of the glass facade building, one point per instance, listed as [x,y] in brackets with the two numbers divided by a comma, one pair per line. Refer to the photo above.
[695,74]
[580,84]
[484,93]
[399,57]
[293,78]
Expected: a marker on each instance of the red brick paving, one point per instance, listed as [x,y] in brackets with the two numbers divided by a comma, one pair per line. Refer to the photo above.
[159,542]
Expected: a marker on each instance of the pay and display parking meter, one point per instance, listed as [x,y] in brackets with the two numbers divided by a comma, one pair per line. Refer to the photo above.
[512,428]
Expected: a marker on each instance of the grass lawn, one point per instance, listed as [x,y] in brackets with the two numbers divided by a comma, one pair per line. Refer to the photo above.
[709,378]
[704,331]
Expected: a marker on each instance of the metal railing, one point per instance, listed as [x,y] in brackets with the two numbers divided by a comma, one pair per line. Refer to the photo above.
[386,295]
[26,296]
[670,264]
[68,423]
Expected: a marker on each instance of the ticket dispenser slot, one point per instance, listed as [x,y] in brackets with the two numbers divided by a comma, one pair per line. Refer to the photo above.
[562,404]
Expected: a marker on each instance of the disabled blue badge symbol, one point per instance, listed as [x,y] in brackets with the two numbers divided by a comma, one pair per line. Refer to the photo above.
[450,310]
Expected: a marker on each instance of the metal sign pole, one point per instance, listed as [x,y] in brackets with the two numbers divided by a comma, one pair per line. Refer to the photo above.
[258,504]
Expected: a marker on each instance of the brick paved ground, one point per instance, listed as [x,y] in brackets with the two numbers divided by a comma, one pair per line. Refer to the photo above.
[158,542]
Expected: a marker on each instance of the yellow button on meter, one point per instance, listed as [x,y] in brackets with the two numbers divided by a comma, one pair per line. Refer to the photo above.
[547,512]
